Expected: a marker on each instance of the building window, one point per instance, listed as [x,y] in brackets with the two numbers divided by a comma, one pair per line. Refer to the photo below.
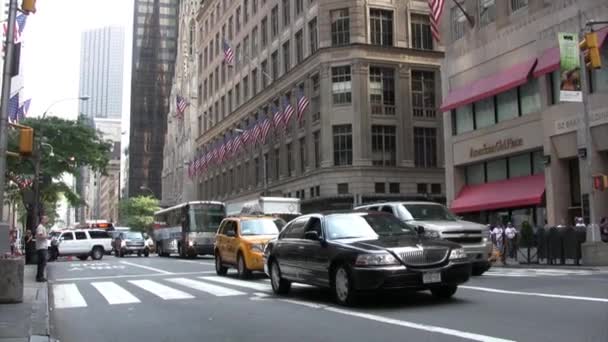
[343,145]
[380,188]
[318,190]
[340,27]
[520,166]
[382,90]
[423,93]
[464,119]
[286,13]
[425,147]
[342,188]
[245,88]
[223,106]
[599,77]
[289,148]
[314,39]
[484,113]
[394,188]
[421,32]
[237,22]
[516,5]
[277,163]
[245,11]
[266,167]
[317,142]
[254,42]
[254,82]
[421,188]
[530,97]
[487,11]
[496,170]
[264,31]
[507,105]
[458,21]
[299,47]
[200,125]
[475,174]
[384,152]
[230,28]
[274,21]
[256,164]
[229,100]
[264,73]
[381,26]
[237,94]
[436,188]
[341,84]
[299,7]
[254,7]
[302,155]
[274,61]
[286,57]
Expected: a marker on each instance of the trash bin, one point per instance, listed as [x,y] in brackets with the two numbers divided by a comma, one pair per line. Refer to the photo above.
[570,243]
[554,242]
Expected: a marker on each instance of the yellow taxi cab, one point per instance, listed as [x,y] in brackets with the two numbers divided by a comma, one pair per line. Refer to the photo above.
[240,243]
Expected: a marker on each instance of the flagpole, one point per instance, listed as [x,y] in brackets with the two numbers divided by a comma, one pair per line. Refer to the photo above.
[466,14]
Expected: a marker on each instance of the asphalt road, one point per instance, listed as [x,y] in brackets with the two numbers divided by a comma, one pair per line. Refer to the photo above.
[170,299]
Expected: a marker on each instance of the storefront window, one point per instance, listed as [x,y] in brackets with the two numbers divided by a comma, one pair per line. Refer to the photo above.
[600,76]
[530,97]
[519,166]
[575,182]
[484,113]
[507,105]
[475,174]
[538,164]
[464,119]
[497,170]
[519,216]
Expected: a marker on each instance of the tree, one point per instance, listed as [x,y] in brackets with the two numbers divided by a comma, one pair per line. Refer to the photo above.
[75,144]
[138,212]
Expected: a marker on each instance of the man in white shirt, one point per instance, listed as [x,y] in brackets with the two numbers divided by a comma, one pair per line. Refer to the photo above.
[41,248]
[511,233]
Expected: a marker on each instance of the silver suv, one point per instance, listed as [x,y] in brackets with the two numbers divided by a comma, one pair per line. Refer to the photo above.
[438,222]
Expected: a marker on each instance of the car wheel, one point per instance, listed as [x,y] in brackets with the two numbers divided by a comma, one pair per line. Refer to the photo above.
[444,292]
[241,267]
[279,285]
[97,253]
[479,270]
[146,253]
[343,286]
[219,268]
[83,257]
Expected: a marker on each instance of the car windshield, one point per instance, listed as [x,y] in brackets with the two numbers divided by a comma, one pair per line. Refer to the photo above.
[133,236]
[428,212]
[352,226]
[261,227]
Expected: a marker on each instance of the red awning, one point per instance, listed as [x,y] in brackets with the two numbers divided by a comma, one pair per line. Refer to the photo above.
[549,59]
[505,80]
[510,193]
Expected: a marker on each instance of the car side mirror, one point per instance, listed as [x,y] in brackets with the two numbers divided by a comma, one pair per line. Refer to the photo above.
[420,230]
[311,235]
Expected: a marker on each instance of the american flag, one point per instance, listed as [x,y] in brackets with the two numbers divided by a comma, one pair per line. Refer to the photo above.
[246,136]
[13,109]
[288,111]
[264,130]
[277,118]
[229,146]
[22,112]
[19,26]
[303,104]
[191,170]
[228,54]
[436,7]
[256,132]
[238,143]
[181,104]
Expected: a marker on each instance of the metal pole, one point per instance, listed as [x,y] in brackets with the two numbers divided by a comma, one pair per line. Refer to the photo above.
[6,94]
[265,157]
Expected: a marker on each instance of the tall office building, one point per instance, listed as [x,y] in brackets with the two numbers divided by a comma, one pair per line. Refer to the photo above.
[101,72]
[154,49]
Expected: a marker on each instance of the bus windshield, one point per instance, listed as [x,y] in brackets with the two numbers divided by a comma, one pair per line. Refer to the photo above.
[206,218]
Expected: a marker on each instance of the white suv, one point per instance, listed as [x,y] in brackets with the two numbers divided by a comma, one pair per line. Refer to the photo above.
[82,243]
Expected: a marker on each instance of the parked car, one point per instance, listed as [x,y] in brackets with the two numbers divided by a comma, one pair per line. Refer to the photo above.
[82,243]
[438,222]
[240,243]
[130,243]
[357,252]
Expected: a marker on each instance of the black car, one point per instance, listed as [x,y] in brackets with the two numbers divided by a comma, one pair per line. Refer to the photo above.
[357,252]
[130,243]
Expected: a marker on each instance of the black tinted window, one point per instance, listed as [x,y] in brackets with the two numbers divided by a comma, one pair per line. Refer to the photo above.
[97,234]
[81,236]
[314,224]
[387,209]
[365,226]
[295,230]
[67,236]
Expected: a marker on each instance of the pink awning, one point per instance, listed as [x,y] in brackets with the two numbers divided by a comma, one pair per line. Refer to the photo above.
[549,59]
[509,193]
[483,88]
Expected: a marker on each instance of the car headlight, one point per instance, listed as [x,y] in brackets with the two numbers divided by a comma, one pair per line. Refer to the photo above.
[257,247]
[431,234]
[458,253]
[190,243]
[379,259]
[486,236]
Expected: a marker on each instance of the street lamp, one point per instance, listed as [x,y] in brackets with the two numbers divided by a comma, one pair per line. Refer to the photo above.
[81,98]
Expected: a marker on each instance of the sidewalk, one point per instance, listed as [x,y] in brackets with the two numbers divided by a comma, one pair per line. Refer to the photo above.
[513,264]
[27,321]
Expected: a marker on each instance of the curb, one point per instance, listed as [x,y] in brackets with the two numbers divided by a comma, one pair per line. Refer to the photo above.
[40,318]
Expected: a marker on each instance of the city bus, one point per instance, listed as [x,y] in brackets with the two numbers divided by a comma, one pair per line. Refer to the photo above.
[188,229]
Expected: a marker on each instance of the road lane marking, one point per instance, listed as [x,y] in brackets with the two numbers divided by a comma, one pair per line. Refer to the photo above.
[206,287]
[160,290]
[146,267]
[131,276]
[535,294]
[114,294]
[196,262]
[67,296]
[303,303]
[241,283]
[425,327]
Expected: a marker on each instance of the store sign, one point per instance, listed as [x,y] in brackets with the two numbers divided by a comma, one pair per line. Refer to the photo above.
[500,146]
[570,68]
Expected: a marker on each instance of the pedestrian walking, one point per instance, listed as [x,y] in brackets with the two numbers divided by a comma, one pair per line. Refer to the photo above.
[499,238]
[511,240]
[41,248]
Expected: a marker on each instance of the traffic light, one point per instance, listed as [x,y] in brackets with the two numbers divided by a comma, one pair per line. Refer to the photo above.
[591,50]
[28,6]
[26,141]
[600,182]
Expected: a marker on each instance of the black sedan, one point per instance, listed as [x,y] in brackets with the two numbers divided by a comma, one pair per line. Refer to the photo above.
[357,252]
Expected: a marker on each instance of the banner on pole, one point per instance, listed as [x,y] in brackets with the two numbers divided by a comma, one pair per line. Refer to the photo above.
[570,68]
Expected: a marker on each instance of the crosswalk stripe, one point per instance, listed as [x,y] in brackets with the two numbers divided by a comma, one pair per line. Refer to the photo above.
[67,296]
[241,283]
[206,287]
[160,290]
[114,294]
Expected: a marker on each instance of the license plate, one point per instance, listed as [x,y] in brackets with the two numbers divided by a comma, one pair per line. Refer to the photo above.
[431,277]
